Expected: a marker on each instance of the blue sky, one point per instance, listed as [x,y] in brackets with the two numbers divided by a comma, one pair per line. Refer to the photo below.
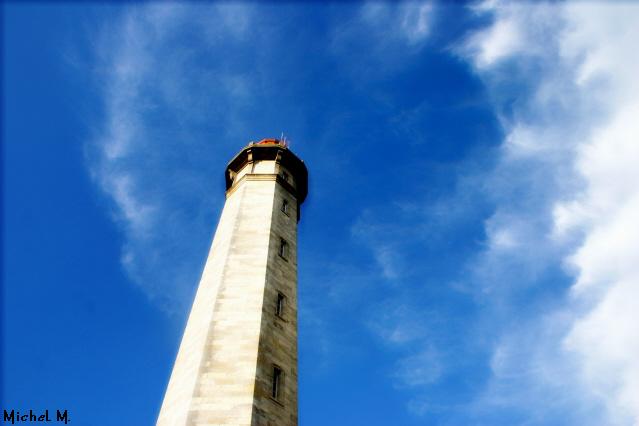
[468,252]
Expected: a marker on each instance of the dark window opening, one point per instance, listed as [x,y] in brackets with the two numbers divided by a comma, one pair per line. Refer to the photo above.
[283,251]
[276,388]
[285,206]
[279,304]
[285,176]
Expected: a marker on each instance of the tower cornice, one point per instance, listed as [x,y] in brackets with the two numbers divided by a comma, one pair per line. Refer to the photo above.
[270,150]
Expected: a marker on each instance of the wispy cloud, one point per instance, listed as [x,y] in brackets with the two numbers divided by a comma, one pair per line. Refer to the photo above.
[422,349]
[411,20]
[555,269]
[511,34]
[148,153]
[380,34]
[419,369]
[572,129]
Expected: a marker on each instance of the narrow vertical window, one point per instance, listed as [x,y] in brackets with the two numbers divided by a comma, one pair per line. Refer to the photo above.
[285,176]
[285,205]
[283,251]
[276,388]
[279,305]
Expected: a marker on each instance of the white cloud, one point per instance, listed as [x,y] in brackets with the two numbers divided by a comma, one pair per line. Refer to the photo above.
[420,369]
[376,236]
[135,212]
[398,323]
[577,130]
[564,187]
[150,70]
[501,40]
[416,20]
[606,340]
[387,259]
[516,29]
[386,27]
[605,337]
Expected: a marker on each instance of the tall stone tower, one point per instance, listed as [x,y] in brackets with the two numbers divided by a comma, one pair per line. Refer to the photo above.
[237,363]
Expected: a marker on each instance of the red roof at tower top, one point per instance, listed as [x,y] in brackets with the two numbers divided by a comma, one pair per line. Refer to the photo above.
[271,141]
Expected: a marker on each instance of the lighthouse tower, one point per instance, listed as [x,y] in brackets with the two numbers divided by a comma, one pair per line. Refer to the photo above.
[237,362]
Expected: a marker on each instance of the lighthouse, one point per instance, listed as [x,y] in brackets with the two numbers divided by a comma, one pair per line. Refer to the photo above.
[237,361]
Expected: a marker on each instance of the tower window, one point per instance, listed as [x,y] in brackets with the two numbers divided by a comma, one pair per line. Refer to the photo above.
[276,386]
[285,176]
[279,305]
[283,251]
[284,207]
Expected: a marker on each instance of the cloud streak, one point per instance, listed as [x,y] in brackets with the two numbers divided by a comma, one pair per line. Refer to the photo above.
[148,153]
[553,276]
[575,123]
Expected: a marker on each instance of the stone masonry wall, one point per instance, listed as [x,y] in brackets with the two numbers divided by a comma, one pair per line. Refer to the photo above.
[223,371]
[278,340]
